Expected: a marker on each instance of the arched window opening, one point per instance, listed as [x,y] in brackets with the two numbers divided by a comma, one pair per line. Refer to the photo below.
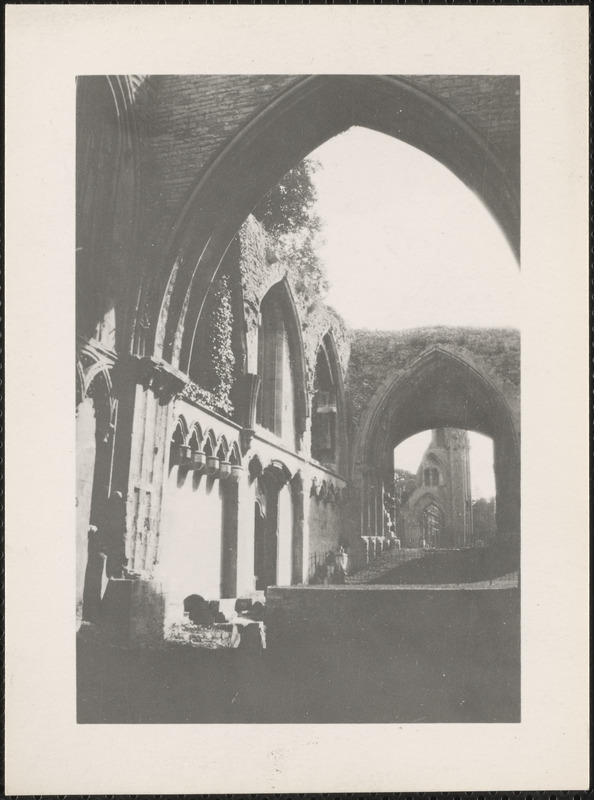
[324,412]
[432,524]
[431,476]
[457,466]
[276,402]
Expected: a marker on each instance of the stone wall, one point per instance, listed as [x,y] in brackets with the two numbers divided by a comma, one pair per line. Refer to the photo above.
[377,356]
[260,268]
[325,524]
[186,120]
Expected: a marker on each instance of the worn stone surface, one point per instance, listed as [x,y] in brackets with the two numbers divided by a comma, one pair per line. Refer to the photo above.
[260,268]
[188,118]
[379,355]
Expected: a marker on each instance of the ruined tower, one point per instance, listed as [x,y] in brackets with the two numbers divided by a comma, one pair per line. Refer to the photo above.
[439,511]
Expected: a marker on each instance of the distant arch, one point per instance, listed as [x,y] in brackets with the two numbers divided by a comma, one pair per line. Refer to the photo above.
[442,389]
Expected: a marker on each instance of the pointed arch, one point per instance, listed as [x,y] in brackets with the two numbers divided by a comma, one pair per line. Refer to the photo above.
[281,365]
[329,432]
[310,111]
[222,448]
[235,454]
[180,431]
[209,443]
[440,389]
[279,471]
[196,434]
[424,500]
[443,389]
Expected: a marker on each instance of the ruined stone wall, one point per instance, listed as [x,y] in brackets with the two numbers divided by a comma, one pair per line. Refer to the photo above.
[260,268]
[187,119]
[377,356]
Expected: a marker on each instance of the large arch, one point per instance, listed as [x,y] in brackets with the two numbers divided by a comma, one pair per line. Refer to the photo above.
[440,389]
[304,116]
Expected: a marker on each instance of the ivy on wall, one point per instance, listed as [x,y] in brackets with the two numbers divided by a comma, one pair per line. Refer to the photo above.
[216,362]
[221,339]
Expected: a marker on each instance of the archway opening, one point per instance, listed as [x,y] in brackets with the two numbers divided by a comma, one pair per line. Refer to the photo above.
[441,390]
[280,368]
[324,424]
[452,470]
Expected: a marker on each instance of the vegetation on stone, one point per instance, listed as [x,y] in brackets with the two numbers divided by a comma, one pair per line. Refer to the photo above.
[288,212]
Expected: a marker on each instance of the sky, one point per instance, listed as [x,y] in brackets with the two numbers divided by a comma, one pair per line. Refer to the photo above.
[407,244]
[482,479]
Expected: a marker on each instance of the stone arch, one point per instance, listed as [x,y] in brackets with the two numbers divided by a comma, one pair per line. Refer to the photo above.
[302,117]
[223,448]
[209,443]
[196,435]
[327,347]
[442,389]
[278,307]
[180,430]
[235,454]
[426,503]
[279,471]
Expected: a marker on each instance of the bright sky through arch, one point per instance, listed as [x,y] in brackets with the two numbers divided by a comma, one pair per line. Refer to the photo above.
[407,244]
[409,453]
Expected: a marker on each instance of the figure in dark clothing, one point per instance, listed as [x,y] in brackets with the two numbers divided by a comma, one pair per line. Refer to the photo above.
[115,537]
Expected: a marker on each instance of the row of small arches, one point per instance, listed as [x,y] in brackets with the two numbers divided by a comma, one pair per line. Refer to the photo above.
[206,442]
[327,491]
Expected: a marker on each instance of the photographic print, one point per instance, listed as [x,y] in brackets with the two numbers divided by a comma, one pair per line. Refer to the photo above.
[295,298]
[298,398]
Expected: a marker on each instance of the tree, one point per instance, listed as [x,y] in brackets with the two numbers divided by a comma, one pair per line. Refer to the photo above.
[288,212]
[290,205]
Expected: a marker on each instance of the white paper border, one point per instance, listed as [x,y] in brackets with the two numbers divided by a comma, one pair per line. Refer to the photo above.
[47,753]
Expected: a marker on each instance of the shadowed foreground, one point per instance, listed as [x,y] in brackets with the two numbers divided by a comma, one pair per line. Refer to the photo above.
[447,657]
